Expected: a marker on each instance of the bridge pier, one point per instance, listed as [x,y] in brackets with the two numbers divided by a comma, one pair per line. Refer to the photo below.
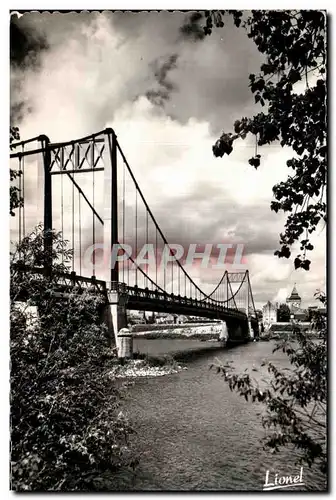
[115,316]
[238,332]
[251,331]
[224,334]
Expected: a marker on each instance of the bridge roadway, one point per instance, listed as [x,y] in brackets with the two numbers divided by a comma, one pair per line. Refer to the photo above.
[144,299]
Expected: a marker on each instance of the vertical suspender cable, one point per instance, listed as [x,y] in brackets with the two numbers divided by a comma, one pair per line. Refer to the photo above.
[147,245]
[179,276]
[20,194]
[136,233]
[172,264]
[123,218]
[73,226]
[93,225]
[93,215]
[80,232]
[164,269]
[156,256]
[23,195]
[62,211]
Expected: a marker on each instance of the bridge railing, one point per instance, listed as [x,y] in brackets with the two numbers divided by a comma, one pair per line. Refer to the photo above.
[143,294]
[68,280]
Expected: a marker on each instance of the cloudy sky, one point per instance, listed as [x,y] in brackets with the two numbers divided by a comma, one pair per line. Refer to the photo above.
[168,97]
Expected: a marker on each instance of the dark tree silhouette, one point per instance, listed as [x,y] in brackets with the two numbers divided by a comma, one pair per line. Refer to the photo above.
[15,198]
[283,313]
[294,46]
[67,429]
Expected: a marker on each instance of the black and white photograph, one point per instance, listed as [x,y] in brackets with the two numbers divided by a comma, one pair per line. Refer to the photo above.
[168,251]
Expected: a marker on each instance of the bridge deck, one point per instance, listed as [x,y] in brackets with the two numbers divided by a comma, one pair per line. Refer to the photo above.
[143,299]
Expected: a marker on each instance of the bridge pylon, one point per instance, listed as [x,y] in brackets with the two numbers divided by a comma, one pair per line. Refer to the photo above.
[115,315]
[251,331]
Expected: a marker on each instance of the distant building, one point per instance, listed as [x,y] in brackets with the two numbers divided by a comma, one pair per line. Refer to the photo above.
[135,317]
[316,309]
[269,314]
[294,300]
[298,314]
[166,318]
[294,304]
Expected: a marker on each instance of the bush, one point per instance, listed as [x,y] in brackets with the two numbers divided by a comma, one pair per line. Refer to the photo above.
[66,424]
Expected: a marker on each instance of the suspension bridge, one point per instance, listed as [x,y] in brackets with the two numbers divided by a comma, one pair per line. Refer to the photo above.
[86,190]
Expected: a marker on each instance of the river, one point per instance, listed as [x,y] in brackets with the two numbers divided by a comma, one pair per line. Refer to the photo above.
[193,433]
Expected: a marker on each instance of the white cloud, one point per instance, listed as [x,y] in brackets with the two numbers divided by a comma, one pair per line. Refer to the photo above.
[96,75]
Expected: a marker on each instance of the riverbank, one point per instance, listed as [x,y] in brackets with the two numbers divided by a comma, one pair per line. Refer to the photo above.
[199,331]
[146,366]
[157,365]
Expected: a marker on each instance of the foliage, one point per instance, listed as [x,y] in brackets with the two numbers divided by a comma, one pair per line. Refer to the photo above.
[283,313]
[295,398]
[66,427]
[294,46]
[15,198]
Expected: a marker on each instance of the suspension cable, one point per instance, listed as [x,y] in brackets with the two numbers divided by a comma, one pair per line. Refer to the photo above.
[150,212]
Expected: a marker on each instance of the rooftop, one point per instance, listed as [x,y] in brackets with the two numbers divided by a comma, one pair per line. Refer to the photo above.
[294,295]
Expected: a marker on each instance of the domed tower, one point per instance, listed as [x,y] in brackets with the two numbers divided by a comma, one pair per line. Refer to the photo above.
[294,300]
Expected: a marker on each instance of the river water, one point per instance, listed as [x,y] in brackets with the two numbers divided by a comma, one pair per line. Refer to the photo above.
[193,433]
